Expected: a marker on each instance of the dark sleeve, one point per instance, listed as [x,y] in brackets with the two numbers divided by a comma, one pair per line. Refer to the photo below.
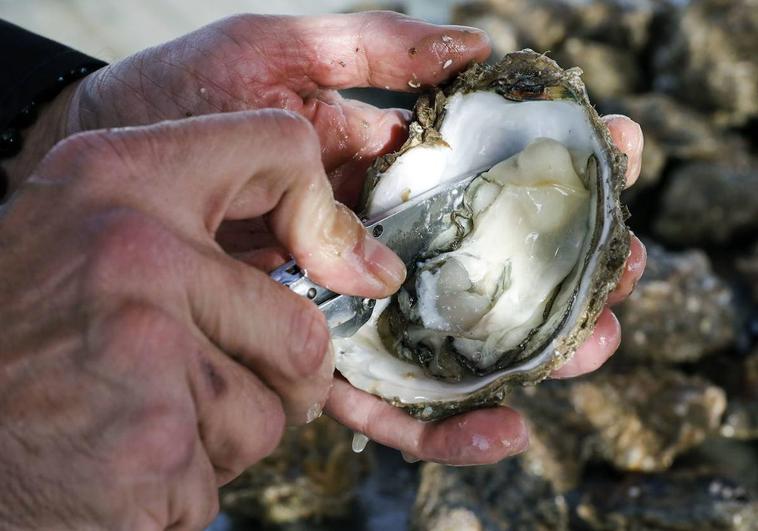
[33,70]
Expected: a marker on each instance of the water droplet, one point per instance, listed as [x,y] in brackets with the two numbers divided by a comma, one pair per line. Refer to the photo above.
[359,442]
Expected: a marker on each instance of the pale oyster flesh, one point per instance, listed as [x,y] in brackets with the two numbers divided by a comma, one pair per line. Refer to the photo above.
[530,219]
[506,291]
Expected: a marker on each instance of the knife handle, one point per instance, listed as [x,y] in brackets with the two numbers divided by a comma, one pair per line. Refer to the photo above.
[291,276]
[344,314]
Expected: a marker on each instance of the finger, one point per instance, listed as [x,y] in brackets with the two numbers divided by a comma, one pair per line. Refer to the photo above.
[627,135]
[266,259]
[244,235]
[242,165]
[348,182]
[378,49]
[601,345]
[352,130]
[633,269]
[479,437]
[240,420]
[265,327]
[153,433]
[370,133]
[193,500]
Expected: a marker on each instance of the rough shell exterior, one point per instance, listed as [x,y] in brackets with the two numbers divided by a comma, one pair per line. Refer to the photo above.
[524,76]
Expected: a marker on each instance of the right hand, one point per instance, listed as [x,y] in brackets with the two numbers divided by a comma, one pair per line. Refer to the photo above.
[141,366]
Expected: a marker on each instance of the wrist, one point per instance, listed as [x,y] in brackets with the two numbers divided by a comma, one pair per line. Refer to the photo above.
[50,127]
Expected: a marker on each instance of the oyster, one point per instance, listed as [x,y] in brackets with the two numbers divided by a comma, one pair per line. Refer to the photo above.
[312,476]
[516,283]
[656,328]
[506,495]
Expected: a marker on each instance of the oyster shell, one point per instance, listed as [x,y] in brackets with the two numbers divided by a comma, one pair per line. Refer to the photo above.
[312,476]
[656,328]
[689,498]
[503,496]
[517,282]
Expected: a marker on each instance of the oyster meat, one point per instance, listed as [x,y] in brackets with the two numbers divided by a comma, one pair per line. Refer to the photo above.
[516,282]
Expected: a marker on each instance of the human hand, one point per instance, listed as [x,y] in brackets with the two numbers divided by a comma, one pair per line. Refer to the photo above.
[140,365]
[298,63]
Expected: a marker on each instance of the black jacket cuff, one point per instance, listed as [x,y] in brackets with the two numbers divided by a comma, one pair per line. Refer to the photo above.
[33,70]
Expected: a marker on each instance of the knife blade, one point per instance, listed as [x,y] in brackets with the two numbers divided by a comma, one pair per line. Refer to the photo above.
[408,229]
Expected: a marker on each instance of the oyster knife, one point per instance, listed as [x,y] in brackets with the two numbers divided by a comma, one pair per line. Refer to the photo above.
[408,229]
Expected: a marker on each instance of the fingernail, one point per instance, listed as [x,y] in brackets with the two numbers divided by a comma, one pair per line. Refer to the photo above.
[369,257]
[314,412]
[635,169]
[381,262]
[608,117]
[470,30]
[518,444]
[637,261]
[326,372]
[466,38]
[408,458]
[631,141]
[331,358]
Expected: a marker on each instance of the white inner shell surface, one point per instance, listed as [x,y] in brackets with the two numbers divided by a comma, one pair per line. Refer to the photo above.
[483,129]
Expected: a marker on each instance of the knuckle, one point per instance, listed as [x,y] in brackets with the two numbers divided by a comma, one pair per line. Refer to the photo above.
[295,129]
[138,320]
[102,154]
[272,431]
[380,18]
[83,153]
[163,441]
[140,339]
[214,506]
[159,433]
[125,244]
[308,339]
[240,23]
[270,422]
[276,422]
[88,154]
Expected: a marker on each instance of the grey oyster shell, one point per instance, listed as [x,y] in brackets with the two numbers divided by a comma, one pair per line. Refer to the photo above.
[521,77]
[311,476]
[680,311]
[709,202]
[501,496]
[657,502]
[637,419]
[708,58]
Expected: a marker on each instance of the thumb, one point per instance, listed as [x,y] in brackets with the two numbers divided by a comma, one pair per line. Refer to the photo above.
[193,174]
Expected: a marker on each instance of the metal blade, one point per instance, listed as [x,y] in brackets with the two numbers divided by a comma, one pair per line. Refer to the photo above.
[408,229]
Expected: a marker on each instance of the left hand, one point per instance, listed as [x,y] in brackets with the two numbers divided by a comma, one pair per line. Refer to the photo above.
[298,63]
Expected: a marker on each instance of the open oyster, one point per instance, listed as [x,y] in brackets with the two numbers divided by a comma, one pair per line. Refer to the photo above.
[516,283]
